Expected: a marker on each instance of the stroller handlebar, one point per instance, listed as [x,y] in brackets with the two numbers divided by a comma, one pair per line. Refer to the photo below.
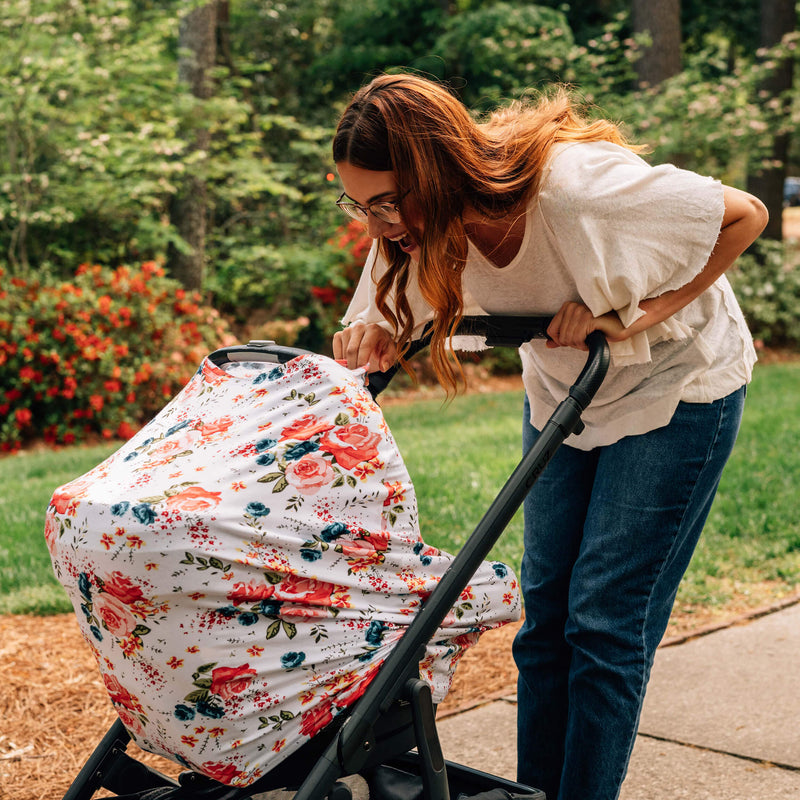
[498,331]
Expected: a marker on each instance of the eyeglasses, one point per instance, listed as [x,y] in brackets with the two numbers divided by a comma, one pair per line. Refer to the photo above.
[384,211]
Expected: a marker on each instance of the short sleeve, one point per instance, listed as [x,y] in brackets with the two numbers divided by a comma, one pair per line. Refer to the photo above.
[627,231]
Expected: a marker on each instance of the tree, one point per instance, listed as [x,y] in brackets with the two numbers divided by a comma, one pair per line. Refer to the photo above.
[198,52]
[765,180]
[662,21]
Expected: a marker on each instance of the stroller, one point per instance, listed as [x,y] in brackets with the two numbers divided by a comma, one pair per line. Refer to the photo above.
[389,735]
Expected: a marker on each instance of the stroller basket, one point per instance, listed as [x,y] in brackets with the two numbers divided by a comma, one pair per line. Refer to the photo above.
[395,714]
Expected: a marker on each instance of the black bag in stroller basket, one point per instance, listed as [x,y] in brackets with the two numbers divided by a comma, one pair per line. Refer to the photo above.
[387,709]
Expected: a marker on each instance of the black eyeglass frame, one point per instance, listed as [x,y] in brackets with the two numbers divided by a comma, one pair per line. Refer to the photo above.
[360,213]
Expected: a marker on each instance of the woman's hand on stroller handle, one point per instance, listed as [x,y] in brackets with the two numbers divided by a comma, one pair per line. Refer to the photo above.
[365,345]
[574,322]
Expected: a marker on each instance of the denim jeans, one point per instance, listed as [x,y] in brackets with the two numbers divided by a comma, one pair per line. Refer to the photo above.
[609,534]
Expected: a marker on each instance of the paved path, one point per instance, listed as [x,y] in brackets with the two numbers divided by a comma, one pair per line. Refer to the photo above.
[721,720]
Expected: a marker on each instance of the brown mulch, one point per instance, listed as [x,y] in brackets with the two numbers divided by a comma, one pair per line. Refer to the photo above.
[54,709]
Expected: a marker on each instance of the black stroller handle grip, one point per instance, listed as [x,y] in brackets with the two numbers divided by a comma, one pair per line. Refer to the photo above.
[498,330]
[388,683]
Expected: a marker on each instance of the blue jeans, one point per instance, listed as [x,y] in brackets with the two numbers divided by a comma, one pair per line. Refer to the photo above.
[609,534]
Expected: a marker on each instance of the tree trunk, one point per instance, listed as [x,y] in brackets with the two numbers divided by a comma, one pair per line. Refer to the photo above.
[197,41]
[661,19]
[778,17]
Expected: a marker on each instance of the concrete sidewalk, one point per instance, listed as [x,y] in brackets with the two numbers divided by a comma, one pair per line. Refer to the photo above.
[721,719]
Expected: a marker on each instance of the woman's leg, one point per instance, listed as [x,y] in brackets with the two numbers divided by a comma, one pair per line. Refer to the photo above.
[555,510]
[650,499]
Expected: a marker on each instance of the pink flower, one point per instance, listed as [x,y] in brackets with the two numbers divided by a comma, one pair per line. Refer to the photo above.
[220,771]
[305,427]
[117,692]
[123,588]
[351,444]
[195,498]
[315,719]
[227,682]
[304,590]
[217,426]
[51,528]
[115,615]
[130,721]
[309,473]
[250,592]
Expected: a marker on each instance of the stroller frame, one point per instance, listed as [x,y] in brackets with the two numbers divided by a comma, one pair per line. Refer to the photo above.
[395,713]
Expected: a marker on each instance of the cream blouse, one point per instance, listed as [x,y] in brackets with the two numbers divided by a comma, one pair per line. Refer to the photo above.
[609,230]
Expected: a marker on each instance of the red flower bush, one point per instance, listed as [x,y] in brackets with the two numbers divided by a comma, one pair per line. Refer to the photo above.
[98,355]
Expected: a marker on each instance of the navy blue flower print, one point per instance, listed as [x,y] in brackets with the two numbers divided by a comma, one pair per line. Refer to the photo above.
[210,710]
[257,509]
[501,570]
[292,660]
[145,513]
[118,509]
[375,632]
[297,451]
[184,713]
[333,532]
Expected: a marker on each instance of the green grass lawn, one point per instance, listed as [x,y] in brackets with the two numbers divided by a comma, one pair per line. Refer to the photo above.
[458,456]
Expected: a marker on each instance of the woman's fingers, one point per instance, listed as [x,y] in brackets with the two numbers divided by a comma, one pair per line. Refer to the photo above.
[574,322]
[365,345]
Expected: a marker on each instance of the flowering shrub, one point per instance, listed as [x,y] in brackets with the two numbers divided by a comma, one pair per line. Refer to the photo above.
[352,245]
[97,355]
[767,285]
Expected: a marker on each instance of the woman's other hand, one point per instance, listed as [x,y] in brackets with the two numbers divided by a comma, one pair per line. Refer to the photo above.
[365,345]
[574,322]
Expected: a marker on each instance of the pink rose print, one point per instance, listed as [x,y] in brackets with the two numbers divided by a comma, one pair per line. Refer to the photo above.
[358,687]
[64,498]
[227,682]
[351,444]
[130,721]
[304,590]
[123,588]
[309,473]
[117,692]
[250,592]
[217,426]
[195,498]
[304,428]
[51,528]
[115,615]
[315,719]
[304,612]
[220,771]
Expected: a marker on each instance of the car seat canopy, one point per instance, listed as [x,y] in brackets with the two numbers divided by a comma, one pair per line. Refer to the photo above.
[244,564]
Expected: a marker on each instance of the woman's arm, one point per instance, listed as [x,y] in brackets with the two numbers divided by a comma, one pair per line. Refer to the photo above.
[744,218]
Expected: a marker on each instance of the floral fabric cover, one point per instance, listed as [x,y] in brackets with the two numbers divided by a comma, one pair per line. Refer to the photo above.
[243,566]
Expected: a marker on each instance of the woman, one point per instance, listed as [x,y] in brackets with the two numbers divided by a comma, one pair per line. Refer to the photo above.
[537,211]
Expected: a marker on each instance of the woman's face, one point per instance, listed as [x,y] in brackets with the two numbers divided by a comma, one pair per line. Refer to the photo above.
[366,188]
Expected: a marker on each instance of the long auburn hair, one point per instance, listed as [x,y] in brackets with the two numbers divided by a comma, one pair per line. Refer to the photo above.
[443,158]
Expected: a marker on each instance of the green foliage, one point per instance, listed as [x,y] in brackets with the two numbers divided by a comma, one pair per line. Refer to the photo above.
[89,143]
[767,285]
[376,35]
[502,48]
[97,355]
[310,285]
